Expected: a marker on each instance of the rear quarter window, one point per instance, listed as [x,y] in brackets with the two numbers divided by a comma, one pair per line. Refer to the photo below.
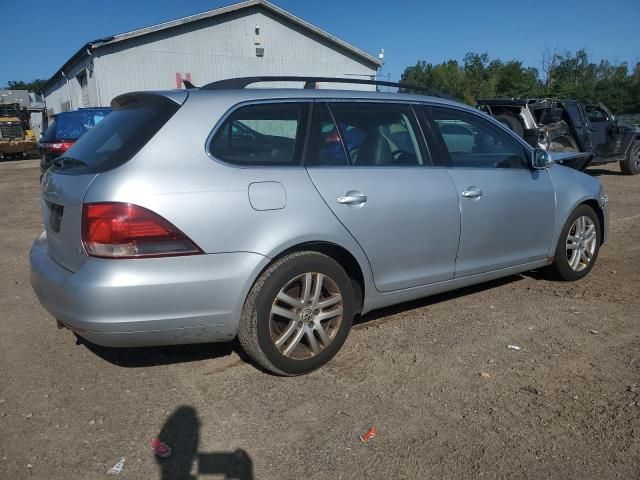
[268,134]
[119,136]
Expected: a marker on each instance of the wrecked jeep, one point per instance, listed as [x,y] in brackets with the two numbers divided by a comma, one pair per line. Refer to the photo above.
[570,126]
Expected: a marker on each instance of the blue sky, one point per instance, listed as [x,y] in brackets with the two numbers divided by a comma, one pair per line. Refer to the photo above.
[45,34]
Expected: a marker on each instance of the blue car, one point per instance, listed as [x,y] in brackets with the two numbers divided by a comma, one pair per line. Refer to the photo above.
[65,130]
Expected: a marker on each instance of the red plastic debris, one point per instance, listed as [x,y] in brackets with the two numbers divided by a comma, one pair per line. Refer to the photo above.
[160,449]
[372,432]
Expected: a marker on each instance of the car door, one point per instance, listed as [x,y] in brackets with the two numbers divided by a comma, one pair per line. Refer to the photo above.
[579,124]
[601,126]
[508,209]
[369,163]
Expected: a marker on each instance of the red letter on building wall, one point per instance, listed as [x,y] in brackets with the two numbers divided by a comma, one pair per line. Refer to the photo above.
[180,78]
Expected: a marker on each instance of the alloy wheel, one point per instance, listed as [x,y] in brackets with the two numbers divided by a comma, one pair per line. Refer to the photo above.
[581,243]
[306,315]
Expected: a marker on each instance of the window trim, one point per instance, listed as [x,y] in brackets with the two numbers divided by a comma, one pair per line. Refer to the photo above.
[303,129]
[312,121]
[493,124]
[428,138]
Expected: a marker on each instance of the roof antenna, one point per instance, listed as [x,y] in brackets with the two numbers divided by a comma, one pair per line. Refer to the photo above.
[188,85]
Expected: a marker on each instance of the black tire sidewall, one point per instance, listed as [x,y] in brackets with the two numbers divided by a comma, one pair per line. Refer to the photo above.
[561,262]
[297,266]
[628,167]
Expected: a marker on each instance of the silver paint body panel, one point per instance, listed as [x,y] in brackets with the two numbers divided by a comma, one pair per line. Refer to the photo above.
[416,235]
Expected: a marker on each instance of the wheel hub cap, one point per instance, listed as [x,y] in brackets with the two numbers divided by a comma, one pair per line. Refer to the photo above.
[306,315]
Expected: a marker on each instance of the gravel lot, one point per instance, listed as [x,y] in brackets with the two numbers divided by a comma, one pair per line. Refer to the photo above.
[567,405]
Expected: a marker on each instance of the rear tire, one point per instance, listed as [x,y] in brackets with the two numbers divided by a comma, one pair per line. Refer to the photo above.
[298,314]
[578,245]
[512,123]
[631,165]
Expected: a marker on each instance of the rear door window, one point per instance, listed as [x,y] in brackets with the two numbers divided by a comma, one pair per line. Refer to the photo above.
[379,134]
[117,138]
[326,147]
[269,134]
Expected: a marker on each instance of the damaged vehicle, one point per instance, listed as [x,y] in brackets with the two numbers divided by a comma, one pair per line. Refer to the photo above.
[570,126]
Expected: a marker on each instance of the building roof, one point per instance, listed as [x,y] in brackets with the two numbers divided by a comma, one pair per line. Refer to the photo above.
[15,96]
[94,44]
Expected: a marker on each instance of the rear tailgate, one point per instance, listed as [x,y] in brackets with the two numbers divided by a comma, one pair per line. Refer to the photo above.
[135,119]
[62,197]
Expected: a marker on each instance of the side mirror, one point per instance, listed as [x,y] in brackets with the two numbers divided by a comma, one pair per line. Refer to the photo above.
[540,159]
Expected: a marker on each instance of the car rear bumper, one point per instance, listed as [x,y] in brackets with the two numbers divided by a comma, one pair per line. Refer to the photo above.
[144,302]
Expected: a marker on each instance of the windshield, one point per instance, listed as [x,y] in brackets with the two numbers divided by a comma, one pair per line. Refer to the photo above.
[117,138]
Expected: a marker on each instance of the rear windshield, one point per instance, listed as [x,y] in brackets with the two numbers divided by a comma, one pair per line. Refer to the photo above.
[50,134]
[118,137]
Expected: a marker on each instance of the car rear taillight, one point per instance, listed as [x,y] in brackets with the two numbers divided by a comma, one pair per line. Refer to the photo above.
[123,230]
[58,147]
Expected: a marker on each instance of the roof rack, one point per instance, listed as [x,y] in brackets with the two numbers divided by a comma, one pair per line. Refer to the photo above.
[309,83]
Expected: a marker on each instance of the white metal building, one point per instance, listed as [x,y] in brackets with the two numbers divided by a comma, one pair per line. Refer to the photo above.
[32,102]
[250,38]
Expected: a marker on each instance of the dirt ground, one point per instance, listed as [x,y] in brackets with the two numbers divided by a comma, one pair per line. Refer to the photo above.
[567,405]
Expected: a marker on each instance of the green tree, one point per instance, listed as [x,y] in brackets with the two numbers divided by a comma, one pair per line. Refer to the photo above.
[33,86]
[567,75]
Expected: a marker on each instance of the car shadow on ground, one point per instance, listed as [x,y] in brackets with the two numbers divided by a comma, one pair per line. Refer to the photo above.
[435,299]
[596,172]
[154,356]
[181,432]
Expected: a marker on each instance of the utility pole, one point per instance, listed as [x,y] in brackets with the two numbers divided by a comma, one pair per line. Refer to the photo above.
[381,57]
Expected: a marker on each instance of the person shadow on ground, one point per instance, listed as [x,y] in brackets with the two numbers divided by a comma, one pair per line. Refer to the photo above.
[181,431]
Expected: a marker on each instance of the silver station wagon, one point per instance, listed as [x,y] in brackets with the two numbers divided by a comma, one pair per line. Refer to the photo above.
[277,215]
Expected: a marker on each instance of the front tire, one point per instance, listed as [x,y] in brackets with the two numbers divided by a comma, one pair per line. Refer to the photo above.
[631,165]
[298,314]
[578,246]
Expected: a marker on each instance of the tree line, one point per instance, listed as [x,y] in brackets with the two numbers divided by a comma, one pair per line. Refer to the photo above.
[564,75]
[33,86]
